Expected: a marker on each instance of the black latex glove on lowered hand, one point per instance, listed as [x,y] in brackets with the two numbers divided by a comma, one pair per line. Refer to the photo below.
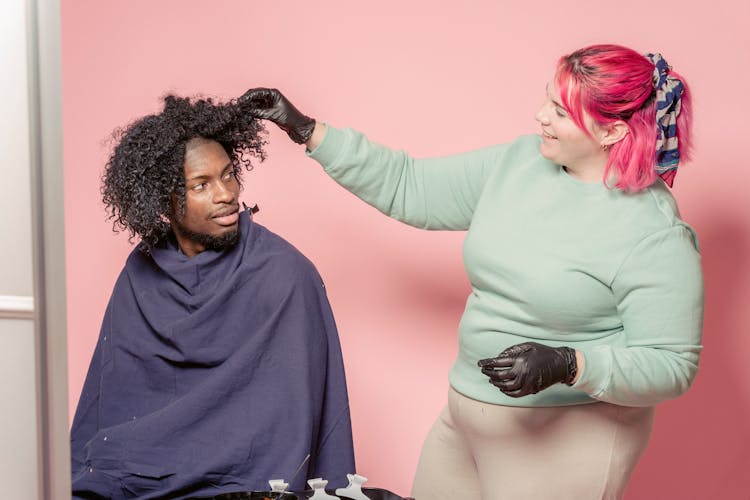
[270,104]
[528,368]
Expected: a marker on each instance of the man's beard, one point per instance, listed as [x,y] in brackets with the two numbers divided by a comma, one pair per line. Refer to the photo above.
[210,242]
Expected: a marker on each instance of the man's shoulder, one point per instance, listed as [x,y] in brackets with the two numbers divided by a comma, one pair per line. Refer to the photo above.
[139,257]
[280,254]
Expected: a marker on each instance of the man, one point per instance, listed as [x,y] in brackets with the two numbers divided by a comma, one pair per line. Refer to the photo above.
[218,365]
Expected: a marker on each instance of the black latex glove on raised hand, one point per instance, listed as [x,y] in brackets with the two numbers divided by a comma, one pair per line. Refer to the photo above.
[528,368]
[270,104]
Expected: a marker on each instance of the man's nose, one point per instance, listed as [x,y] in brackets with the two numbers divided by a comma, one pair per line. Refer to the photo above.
[224,193]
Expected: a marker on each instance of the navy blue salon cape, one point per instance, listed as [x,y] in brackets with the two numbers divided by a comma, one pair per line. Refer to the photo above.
[213,374]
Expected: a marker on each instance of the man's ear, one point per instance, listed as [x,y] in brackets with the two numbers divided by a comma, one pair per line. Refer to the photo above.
[613,133]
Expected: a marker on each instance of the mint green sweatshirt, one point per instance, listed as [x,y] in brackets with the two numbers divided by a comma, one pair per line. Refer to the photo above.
[550,259]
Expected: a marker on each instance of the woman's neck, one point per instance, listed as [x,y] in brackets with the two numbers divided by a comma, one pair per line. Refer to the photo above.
[589,169]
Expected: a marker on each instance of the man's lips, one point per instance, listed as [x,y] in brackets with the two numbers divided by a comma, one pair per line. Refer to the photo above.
[226,217]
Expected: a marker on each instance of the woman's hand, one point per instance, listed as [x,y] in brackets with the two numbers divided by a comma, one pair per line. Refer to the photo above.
[270,104]
[528,368]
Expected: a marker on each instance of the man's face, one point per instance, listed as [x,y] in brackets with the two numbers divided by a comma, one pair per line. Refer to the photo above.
[211,216]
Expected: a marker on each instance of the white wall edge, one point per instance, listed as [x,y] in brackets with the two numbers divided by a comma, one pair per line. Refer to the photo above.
[16,307]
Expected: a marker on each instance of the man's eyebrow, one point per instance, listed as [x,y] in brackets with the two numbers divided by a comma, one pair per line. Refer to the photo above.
[206,176]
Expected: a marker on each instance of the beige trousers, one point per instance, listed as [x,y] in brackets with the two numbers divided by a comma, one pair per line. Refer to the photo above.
[483,451]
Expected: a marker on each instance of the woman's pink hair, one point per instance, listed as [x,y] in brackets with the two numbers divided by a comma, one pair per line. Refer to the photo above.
[610,83]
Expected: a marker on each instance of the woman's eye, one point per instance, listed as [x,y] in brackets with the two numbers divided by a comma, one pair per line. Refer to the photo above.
[560,113]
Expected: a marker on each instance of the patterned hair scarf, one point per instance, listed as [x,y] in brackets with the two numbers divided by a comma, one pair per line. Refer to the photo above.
[668,94]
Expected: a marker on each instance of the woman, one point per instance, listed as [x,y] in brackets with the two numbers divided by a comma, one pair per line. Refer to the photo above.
[584,278]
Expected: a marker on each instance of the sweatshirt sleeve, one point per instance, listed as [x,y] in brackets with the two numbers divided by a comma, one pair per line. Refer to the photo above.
[659,293]
[436,193]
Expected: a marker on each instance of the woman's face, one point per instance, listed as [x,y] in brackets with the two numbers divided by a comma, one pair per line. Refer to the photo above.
[562,141]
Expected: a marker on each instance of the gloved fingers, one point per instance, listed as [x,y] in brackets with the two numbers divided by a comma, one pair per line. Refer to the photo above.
[261,102]
[494,363]
[516,393]
[498,373]
[510,383]
[515,350]
[260,97]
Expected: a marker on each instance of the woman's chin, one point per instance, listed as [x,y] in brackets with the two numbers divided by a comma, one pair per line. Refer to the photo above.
[545,152]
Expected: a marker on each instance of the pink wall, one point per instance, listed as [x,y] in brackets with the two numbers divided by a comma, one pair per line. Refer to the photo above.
[432,79]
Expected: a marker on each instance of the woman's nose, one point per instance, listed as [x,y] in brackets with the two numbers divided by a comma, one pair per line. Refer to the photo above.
[541,116]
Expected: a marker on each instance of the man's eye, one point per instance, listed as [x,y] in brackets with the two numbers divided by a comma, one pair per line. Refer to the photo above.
[199,187]
[228,175]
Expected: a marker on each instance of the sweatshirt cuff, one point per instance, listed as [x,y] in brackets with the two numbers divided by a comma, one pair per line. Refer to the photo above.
[597,371]
[329,148]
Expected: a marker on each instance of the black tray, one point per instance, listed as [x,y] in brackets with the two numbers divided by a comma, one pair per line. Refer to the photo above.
[372,493]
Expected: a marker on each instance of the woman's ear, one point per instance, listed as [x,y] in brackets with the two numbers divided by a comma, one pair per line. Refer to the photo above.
[613,133]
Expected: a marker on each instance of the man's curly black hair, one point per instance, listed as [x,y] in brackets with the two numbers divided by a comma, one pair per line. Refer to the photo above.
[147,165]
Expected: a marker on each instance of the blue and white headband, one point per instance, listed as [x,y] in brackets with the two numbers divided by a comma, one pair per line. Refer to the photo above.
[668,95]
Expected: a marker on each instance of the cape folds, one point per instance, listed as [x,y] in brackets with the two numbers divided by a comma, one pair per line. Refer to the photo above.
[213,374]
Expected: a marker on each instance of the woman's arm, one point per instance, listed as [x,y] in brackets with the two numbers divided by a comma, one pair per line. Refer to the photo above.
[659,292]
[319,131]
[433,193]
[438,193]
